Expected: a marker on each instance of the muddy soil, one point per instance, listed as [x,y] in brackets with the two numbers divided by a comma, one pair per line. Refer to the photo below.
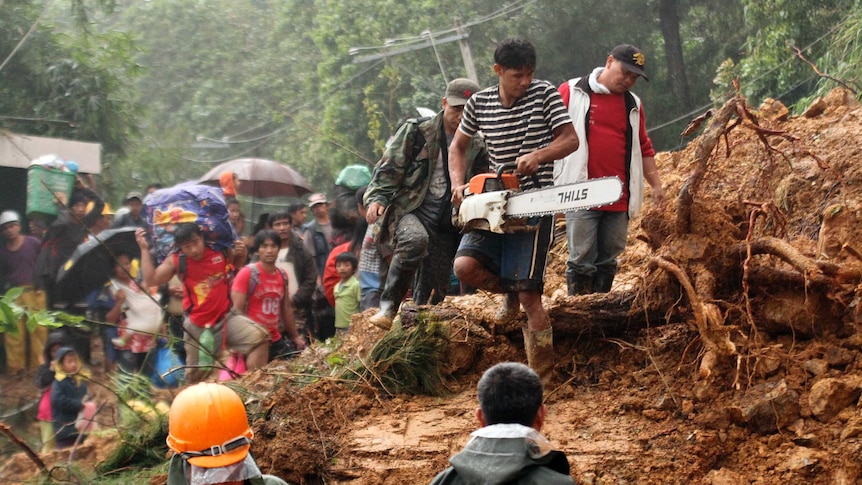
[626,409]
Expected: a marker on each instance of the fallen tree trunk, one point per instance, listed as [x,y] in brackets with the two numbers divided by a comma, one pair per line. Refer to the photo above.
[589,316]
[604,315]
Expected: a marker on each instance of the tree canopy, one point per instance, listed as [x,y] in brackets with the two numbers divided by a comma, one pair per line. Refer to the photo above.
[171,86]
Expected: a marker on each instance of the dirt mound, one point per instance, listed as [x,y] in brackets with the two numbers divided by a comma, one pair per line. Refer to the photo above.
[754,249]
[634,408]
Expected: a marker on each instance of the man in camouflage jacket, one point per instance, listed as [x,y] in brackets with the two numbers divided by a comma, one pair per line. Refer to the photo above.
[407,199]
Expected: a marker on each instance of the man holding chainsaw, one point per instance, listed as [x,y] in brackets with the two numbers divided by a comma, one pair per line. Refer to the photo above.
[410,194]
[609,121]
[524,122]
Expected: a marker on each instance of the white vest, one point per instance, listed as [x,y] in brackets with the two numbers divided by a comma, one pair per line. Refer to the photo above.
[573,168]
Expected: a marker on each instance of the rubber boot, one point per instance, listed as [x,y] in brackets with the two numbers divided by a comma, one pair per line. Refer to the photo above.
[579,285]
[602,282]
[398,281]
[540,352]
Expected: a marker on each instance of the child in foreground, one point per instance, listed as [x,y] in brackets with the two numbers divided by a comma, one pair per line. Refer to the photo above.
[45,378]
[71,408]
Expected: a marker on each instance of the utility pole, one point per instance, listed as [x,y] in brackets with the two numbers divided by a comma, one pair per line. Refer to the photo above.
[466,54]
[460,35]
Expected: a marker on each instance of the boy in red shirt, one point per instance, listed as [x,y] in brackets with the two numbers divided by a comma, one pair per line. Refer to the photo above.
[206,293]
[259,291]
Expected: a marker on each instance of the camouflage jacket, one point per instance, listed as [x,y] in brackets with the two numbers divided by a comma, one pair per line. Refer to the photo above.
[402,176]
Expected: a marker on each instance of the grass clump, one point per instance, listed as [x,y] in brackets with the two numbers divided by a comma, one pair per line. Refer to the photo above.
[404,360]
[142,429]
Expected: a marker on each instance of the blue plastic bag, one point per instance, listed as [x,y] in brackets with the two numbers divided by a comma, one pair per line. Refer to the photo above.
[168,371]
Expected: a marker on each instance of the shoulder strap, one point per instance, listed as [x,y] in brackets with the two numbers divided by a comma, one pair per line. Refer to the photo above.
[253,279]
[283,276]
[181,274]
[418,137]
[181,266]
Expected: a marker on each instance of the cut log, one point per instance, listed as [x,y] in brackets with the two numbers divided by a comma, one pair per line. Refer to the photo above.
[588,316]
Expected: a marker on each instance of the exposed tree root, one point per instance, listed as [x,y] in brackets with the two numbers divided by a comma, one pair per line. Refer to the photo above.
[815,272]
[708,319]
[34,457]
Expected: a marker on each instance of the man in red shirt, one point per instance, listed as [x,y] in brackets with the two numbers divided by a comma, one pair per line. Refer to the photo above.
[610,123]
[205,275]
[260,292]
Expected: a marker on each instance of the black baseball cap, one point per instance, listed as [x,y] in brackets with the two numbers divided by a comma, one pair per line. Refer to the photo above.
[632,58]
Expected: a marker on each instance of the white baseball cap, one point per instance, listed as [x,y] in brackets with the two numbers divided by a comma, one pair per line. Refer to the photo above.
[9,216]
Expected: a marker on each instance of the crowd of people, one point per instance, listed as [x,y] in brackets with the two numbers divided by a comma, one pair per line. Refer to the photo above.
[288,281]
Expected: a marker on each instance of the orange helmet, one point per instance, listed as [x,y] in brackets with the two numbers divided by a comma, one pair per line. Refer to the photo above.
[208,426]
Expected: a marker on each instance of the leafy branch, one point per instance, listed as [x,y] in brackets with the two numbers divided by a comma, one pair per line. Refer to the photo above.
[11,312]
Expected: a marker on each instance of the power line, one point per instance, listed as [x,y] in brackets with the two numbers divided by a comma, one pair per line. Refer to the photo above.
[504,11]
[335,88]
[27,35]
[758,78]
[236,155]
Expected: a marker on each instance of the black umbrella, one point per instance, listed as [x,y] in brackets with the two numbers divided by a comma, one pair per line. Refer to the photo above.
[92,263]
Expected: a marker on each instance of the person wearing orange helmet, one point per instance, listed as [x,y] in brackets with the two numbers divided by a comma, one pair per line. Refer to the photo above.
[208,432]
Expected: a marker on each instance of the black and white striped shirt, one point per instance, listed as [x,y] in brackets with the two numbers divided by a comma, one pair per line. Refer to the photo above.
[523,128]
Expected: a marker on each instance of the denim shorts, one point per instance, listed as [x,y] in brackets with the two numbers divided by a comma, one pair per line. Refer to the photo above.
[518,258]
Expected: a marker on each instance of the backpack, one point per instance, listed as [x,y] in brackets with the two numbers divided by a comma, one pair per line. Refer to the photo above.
[198,204]
[254,279]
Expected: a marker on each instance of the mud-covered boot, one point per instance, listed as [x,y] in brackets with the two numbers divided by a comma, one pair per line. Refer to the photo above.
[384,317]
[398,281]
[539,347]
[579,285]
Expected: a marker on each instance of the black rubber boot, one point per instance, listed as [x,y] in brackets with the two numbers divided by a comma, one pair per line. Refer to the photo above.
[579,285]
[602,282]
[398,281]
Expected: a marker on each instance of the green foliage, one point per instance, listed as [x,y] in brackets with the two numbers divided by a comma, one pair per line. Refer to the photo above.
[11,313]
[842,62]
[141,444]
[770,67]
[72,84]
[404,360]
[143,425]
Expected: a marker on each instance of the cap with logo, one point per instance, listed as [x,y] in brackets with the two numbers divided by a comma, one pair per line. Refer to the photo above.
[459,91]
[133,195]
[632,58]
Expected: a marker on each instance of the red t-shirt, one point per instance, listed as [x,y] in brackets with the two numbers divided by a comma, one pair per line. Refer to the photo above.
[330,277]
[206,287]
[264,305]
[606,139]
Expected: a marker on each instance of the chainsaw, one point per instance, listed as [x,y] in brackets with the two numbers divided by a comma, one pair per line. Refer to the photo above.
[494,201]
